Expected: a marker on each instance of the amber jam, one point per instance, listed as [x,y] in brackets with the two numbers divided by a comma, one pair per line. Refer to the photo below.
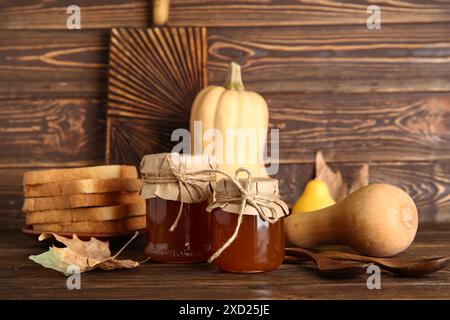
[258,247]
[188,242]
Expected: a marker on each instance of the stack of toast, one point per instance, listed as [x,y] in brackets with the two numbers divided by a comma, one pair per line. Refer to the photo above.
[90,200]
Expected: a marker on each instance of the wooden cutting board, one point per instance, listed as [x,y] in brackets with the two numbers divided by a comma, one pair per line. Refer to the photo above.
[154,76]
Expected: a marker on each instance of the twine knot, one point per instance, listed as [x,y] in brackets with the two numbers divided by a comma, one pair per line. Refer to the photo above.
[186,179]
[258,202]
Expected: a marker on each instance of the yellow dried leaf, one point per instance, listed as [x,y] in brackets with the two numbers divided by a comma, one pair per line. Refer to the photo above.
[86,255]
[362,178]
[338,188]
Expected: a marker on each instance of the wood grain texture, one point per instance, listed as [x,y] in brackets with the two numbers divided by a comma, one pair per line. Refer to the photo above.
[326,59]
[54,64]
[302,12]
[344,59]
[154,77]
[24,279]
[11,217]
[38,132]
[361,127]
[38,14]
[11,198]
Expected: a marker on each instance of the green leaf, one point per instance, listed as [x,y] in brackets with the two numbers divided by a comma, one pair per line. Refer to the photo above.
[50,260]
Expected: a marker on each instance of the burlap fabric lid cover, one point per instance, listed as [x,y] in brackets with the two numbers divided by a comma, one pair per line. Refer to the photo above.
[261,192]
[176,177]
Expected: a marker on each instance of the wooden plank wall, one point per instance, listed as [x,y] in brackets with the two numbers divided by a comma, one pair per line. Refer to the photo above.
[360,95]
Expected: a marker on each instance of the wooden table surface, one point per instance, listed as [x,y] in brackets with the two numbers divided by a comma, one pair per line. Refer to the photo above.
[20,278]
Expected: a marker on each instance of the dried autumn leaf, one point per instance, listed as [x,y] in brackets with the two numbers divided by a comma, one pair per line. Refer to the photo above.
[338,189]
[362,178]
[86,255]
[337,186]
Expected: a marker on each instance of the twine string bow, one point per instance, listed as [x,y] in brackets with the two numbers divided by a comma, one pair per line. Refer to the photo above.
[186,181]
[258,202]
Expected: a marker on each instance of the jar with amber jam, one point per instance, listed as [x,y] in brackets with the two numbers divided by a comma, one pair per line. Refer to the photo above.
[177,189]
[247,231]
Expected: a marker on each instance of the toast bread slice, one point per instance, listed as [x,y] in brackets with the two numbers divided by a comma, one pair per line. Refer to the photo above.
[80,201]
[107,227]
[64,175]
[87,214]
[81,186]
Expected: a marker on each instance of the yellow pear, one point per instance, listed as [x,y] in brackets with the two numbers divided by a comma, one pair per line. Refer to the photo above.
[315,196]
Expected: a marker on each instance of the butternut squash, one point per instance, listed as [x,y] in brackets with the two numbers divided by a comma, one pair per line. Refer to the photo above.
[231,109]
[377,220]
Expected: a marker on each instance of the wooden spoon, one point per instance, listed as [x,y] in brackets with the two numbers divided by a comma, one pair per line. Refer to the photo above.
[328,266]
[403,267]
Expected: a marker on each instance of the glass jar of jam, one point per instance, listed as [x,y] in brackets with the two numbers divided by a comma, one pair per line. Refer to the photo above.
[189,242]
[177,188]
[259,243]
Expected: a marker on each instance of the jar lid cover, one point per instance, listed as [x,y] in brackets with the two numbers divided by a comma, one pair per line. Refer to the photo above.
[259,196]
[171,176]
[248,196]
